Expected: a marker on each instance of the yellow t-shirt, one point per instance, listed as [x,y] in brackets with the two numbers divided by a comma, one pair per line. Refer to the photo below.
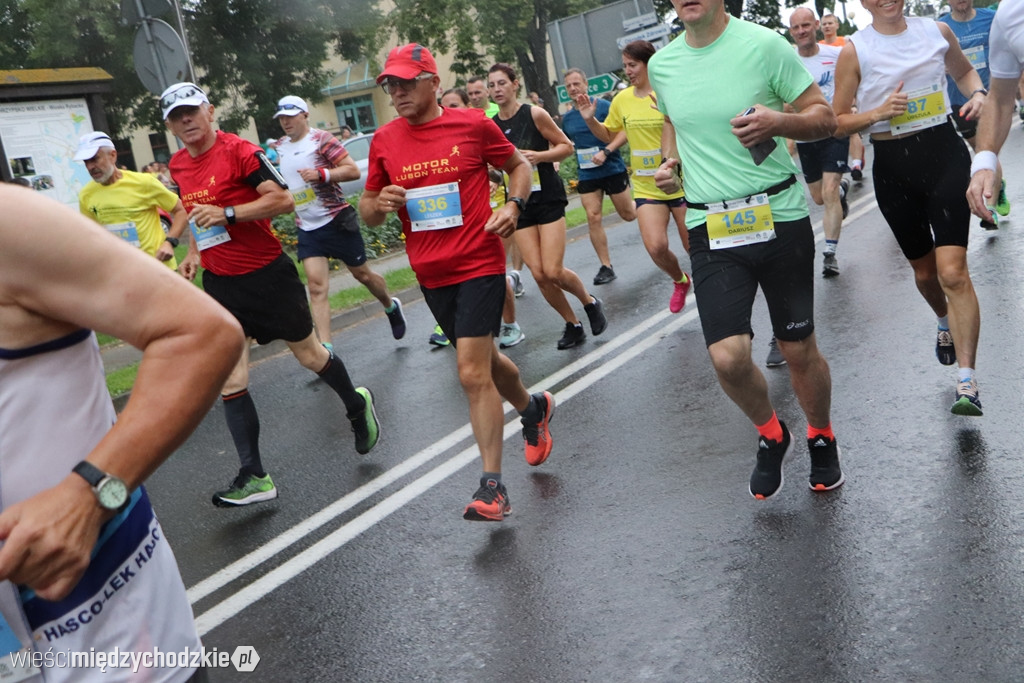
[642,123]
[128,208]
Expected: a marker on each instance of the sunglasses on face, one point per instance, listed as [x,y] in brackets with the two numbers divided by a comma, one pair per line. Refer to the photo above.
[180,94]
[393,85]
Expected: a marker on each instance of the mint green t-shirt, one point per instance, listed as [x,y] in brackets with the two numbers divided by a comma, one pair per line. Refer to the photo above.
[701,89]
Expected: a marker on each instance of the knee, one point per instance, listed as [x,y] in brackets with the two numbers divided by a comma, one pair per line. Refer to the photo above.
[363,275]
[544,277]
[954,276]
[474,377]
[801,355]
[318,290]
[729,363]
[658,247]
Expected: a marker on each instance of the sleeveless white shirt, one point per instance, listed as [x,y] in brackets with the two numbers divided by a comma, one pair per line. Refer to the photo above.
[54,408]
[916,56]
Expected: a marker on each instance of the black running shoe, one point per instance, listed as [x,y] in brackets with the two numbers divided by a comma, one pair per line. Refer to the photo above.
[605,274]
[775,358]
[573,336]
[397,319]
[826,474]
[830,267]
[766,480]
[944,349]
[857,174]
[595,313]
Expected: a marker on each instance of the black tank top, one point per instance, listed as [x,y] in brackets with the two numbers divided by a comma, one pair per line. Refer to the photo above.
[522,132]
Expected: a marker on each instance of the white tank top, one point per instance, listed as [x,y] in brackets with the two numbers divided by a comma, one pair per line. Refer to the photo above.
[54,408]
[916,56]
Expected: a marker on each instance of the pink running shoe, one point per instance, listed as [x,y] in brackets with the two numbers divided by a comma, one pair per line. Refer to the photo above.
[679,291]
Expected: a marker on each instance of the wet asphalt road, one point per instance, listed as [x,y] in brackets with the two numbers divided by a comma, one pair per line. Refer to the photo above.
[635,553]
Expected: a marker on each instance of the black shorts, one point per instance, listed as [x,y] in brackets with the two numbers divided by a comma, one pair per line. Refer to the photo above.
[468,309]
[270,302]
[338,239]
[609,184]
[670,203]
[726,281]
[921,188]
[541,213]
[823,156]
[966,128]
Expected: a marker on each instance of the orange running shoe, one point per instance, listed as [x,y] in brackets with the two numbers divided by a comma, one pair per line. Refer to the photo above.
[490,503]
[536,434]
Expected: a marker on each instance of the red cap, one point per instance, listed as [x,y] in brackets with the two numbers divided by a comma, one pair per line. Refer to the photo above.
[408,62]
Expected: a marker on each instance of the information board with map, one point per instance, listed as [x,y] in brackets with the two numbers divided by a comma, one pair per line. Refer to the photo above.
[40,139]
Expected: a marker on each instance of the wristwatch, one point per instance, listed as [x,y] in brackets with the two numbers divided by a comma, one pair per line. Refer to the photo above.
[518,201]
[983,91]
[172,240]
[111,491]
[229,214]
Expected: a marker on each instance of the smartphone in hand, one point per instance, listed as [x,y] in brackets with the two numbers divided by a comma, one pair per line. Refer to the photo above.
[761,150]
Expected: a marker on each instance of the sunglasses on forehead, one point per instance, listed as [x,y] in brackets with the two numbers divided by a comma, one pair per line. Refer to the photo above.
[290,107]
[180,94]
[392,85]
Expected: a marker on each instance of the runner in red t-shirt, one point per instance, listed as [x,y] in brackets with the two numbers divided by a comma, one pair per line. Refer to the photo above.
[430,165]
[231,192]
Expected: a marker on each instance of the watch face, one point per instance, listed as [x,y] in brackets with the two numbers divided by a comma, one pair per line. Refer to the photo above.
[112,493]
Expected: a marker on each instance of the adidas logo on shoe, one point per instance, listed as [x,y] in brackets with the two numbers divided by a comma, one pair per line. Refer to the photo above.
[820,442]
[761,443]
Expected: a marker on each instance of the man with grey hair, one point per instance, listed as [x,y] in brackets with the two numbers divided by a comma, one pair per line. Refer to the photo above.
[231,192]
[822,161]
[126,203]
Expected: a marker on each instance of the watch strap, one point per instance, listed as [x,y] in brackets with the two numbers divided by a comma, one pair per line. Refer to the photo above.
[92,474]
[229,214]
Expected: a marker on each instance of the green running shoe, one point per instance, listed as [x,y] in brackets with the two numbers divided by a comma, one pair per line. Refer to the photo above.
[245,490]
[364,423]
[1003,203]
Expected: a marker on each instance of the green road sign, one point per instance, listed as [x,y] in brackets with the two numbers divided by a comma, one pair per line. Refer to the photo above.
[598,85]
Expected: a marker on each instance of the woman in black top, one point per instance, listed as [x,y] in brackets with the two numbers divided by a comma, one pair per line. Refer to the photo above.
[540,233]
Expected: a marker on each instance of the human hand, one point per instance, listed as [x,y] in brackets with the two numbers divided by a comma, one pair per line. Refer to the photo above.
[48,538]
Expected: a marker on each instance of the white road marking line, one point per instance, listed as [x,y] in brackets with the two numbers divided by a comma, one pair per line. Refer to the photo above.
[262,586]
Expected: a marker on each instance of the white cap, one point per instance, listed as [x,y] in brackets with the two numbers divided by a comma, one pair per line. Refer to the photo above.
[181,95]
[90,143]
[290,105]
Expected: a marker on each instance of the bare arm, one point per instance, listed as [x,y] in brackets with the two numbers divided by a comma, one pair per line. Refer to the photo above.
[186,358]
[274,200]
[587,109]
[666,178]
[847,82]
[992,131]
[967,79]
[559,145]
[812,119]
[345,170]
[503,221]
[179,221]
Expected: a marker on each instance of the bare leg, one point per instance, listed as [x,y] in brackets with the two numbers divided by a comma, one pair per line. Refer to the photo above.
[319,288]
[592,203]
[653,221]
[373,282]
